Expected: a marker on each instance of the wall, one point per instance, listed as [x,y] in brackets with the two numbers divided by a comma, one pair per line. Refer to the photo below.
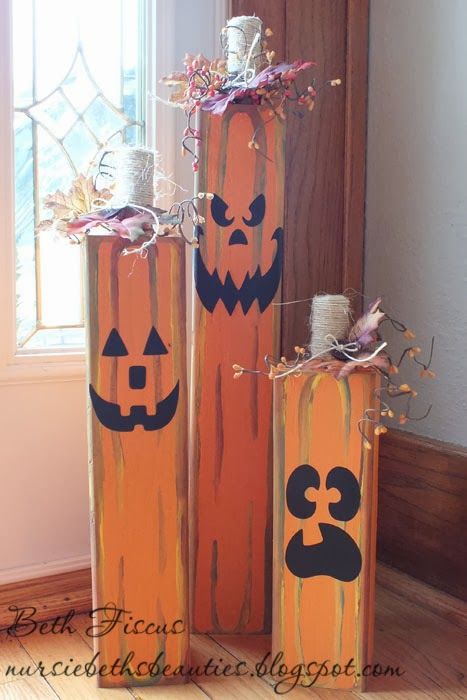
[416,207]
[44,479]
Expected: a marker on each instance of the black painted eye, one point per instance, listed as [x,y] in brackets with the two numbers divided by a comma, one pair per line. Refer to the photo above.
[114,346]
[257,209]
[345,482]
[154,344]
[301,479]
[219,210]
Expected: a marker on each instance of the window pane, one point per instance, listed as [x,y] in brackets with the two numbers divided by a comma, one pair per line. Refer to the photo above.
[74,96]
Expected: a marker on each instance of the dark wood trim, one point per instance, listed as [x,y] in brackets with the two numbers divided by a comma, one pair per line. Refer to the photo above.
[315,148]
[356,81]
[423,510]
[50,596]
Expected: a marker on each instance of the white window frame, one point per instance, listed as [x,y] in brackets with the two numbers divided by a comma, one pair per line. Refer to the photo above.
[19,365]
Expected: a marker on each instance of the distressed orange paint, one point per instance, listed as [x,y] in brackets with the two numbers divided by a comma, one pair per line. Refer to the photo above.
[320,618]
[231,418]
[138,477]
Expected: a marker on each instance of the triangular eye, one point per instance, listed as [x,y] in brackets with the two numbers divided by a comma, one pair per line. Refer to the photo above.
[154,344]
[114,347]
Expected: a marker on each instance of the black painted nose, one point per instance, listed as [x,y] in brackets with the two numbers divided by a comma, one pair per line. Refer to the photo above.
[137,377]
[238,238]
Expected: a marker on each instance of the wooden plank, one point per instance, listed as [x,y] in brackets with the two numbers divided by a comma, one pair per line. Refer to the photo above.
[315,173]
[237,277]
[423,518]
[12,656]
[325,497]
[430,667]
[137,363]
[189,690]
[184,692]
[253,649]
[446,606]
[52,649]
[27,689]
[220,687]
[49,595]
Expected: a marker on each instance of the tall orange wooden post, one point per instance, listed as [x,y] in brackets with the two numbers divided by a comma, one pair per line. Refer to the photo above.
[138,455]
[237,277]
[325,501]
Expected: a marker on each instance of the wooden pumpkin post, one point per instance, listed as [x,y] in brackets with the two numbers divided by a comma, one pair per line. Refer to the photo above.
[138,455]
[325,501]
[238,268]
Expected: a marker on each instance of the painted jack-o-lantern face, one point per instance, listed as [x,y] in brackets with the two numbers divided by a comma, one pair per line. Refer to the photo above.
[259,286]
[110,414]
[337,555]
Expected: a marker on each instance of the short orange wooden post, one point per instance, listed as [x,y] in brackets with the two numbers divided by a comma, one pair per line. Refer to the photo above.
[237,277]
[325,501]
[138,455]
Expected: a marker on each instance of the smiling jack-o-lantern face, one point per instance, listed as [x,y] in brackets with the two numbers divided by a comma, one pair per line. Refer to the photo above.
[138,430]
[259,286]
[110,414]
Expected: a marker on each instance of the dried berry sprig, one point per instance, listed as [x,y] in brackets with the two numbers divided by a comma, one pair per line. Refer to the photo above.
[206,85]
[363,348]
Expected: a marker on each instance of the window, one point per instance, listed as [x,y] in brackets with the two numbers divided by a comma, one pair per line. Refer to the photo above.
[79,88]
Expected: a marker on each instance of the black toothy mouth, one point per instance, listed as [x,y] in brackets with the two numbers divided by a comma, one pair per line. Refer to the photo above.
[260,288]
[110,414]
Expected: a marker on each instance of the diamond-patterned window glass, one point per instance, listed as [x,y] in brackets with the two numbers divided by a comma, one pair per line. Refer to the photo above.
[78,88]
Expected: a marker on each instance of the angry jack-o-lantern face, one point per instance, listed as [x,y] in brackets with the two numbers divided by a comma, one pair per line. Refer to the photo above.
[337,555]
[240,232]
[110,414]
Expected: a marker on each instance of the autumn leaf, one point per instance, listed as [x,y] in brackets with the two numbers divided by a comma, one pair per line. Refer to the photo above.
[364,331]
[381,361]
[82,198]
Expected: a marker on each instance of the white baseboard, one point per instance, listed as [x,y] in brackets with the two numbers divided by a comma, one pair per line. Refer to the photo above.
[59,566]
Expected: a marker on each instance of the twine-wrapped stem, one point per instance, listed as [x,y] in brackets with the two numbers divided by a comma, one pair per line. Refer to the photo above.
[330,316]
[243,45]
[134,176]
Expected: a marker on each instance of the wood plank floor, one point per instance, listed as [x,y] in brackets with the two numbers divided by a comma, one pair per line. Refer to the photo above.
[427,641]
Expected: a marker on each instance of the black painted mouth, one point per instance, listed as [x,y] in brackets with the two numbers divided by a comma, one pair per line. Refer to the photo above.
[260,288]
[111,417]
[337,555]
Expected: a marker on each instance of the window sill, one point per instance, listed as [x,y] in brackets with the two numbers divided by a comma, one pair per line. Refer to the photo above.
[32,368]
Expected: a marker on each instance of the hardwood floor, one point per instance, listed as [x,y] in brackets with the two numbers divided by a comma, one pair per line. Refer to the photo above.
[417,629]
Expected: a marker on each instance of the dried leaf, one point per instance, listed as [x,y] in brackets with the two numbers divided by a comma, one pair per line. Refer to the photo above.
[381,361]
[365,329]
[79,200]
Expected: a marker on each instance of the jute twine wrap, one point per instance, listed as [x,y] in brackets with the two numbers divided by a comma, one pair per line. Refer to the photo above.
[330,315]
[243,39]
[134,176]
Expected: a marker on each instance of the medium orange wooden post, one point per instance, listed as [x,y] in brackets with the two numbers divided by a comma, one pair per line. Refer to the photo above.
[238,270]
[325,501]
[138,454]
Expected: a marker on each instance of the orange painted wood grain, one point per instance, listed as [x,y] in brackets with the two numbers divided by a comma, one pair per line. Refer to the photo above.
[237,280]
[138,456]
[325,492]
